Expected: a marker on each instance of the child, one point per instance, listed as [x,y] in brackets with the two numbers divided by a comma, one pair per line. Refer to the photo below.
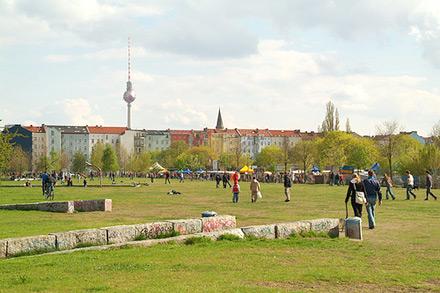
[235,192]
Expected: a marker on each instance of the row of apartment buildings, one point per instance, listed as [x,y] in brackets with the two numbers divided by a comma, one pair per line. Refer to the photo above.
[41,140]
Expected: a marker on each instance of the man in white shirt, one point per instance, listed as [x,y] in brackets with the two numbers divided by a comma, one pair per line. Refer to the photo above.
[409,185]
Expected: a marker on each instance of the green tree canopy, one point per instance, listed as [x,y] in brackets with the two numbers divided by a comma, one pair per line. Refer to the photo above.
[79,163]
[304,153]
[269,158]
[19,161]
[109,159]
[97,153]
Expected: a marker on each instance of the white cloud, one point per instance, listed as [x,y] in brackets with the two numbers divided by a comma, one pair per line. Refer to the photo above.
[79,112]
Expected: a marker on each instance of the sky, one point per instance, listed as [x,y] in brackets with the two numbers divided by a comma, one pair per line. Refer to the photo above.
[266,64]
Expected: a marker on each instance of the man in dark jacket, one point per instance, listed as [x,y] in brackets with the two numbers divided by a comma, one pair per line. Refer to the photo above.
[287,186]
[429,186]
[372,193]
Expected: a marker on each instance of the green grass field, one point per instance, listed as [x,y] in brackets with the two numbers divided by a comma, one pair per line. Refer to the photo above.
[402,254]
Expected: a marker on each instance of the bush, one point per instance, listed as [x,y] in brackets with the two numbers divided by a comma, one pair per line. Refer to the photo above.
[167,235]
[229,237]
[197,240]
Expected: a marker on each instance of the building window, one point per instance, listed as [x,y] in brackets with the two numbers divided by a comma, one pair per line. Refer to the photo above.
[93,141]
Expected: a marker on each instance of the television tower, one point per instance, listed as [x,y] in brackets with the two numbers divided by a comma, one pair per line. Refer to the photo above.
[129,95]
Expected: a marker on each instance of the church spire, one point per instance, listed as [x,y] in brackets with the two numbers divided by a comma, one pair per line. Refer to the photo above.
[219,121]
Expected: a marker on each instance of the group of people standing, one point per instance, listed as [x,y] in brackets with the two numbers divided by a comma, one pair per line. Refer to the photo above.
[255,188]
[368,192]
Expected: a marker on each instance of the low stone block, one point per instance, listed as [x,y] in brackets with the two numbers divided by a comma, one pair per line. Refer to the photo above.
[329,226]
[353,228]
[34,244]
[74,239]
[104,205]
[123,233]
[262,231]
[217,223]
[3,248]
[284,230]
[187,226]
[154,230]
[60,206]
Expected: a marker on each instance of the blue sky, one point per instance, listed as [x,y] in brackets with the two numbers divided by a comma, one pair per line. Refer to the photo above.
[267,64]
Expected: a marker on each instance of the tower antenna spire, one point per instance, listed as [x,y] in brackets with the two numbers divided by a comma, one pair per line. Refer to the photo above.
[129,58]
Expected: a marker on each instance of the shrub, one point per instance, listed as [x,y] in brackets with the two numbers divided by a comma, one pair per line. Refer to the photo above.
[197,240]
[229,237]
[167,234]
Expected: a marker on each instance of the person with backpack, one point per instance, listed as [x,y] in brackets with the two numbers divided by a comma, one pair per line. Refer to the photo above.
[372,194]
[354,188]
[287,186]
[235,192]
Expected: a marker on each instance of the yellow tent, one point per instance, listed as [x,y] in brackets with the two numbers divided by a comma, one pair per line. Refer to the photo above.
[246,169]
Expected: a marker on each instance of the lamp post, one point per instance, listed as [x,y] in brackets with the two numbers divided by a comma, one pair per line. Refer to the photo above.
[99,170]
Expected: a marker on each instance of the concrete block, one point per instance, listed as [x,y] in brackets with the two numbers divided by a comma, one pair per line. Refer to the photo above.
[261,231]
[73,239]
[104,205]
[217,223]
[187,226]
[123,233]
[3,248]
[60,206]
[353,228]
[42,243]
[329,226]
[153,230]
[284,230]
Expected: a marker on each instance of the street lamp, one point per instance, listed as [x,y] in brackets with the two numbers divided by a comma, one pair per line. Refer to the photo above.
[99,170]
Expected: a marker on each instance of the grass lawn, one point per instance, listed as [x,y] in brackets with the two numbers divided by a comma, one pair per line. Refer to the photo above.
[402,254]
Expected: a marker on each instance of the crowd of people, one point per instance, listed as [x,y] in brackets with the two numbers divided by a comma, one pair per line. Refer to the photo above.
[367,192]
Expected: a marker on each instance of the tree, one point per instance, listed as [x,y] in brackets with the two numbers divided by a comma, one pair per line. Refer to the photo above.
[123,156]
[109,159]
[6,149]
[348,126]
[336,120]
[64,161]
[139,162]
[407,155]
[331,119]
[286,153]
[362,153]
[167,158]
[269,158]
[79,163]
[436,134]
[388,142]
[304,153]
[19,161]
[43,164]
[332,148]
[97,153]
[54,161]
[226,160]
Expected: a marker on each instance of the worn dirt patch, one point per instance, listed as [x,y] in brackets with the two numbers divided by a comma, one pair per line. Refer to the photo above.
[321,286]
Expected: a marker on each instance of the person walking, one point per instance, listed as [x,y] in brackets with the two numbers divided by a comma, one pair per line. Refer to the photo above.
[355,186]
[331,178]
[181,177]
[167,177]
[287,186]
[429,186]
[389,185]
[225,180]
[409,185]
[255,189]
[372,193]
[217,180]
[235,192]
